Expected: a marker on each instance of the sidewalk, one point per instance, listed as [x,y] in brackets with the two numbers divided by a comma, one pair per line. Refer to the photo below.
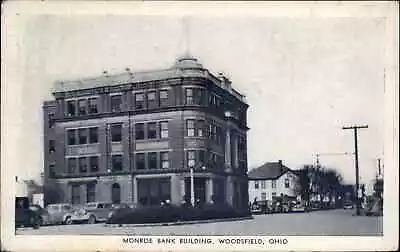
[179,222]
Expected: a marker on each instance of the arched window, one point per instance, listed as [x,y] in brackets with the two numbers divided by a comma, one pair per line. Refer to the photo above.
[116,193]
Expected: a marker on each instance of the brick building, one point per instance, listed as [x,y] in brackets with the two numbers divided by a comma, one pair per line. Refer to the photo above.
[132,137]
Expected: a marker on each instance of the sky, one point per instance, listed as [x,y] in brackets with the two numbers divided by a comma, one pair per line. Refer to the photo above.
[304,78]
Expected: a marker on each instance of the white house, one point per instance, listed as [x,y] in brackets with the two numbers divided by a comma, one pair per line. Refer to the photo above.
[271,179]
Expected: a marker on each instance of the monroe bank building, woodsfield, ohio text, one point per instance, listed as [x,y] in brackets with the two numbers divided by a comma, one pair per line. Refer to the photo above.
[134,137]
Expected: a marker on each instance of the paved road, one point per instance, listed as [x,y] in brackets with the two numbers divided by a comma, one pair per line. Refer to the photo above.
[331,222]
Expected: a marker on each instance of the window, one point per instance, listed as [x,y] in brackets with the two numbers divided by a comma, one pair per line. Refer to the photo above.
[94,163]
[191,158]
[200,128]
[116,162]
[82,164]
[71,108]
[256,185]
[152,130]
[199,97]
[189,96]
[90,192]
[273,183]
[164,160]
[190,127]
[50,119]
[82,133]
[52,171]
[287,183]
[263,184]
[116,133]
[263,196]
[202,156]
[82,107]
[139,101]
[116,103]
[116,193]
[75,194]
[139,131]
[214,132]
[163,129]
[92,105]
[163,97]
[51,146]
[71,137]
[71,165]
[93,135]
[220,135]
[140,162]
[151,99]
[274,194]
[152,160]
[67,207]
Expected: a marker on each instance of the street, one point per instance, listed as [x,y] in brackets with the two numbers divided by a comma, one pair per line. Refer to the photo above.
[328,222]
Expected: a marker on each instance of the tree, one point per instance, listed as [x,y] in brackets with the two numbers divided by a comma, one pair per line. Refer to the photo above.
[321,181]
[303,182]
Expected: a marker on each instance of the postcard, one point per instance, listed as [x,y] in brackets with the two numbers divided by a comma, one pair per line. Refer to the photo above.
[199,126]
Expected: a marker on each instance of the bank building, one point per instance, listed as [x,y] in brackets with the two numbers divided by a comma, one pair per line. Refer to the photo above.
[143,137]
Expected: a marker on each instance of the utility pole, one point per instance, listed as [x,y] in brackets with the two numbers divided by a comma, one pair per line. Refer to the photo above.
[355,129]
[379,167]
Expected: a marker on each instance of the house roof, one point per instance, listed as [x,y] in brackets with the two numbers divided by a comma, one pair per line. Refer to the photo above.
[268,171]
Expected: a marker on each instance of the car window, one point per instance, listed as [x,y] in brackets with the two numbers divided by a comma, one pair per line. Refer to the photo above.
[107,205]
[91,205]
[52,207]
[67,207]
[100,206]
[34,208]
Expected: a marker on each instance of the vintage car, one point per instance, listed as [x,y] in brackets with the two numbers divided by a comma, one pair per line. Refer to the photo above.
[24,216]
[116,207]
[348,204]
[60,213]
[298,207]
[92,212]
[374,207]
[43,214]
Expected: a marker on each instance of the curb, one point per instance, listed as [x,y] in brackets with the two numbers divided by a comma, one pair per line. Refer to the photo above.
[179,222]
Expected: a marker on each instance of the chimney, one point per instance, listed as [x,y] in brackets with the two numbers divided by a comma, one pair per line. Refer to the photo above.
[280,164]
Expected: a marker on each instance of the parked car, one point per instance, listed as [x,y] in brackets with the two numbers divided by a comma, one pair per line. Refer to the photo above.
[374,207]
[43,214]
[92,212]
[60,213]
[116,207]
[348,205]
[256,208]
[24,216]
[299,207]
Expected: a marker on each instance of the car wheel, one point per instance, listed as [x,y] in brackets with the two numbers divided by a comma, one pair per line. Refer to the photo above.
[92,219]
[35,223]
[40,220]
[68,221]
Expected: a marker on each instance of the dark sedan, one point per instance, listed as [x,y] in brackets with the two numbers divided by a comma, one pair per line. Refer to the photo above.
[24,216]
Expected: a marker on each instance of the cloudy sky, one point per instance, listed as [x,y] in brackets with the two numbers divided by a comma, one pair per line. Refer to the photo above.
[304,78]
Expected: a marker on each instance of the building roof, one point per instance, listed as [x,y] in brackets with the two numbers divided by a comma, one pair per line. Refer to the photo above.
[186,66]
[268,171]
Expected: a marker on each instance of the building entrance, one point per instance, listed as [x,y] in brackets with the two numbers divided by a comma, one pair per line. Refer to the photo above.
[154,191]
[199,190]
